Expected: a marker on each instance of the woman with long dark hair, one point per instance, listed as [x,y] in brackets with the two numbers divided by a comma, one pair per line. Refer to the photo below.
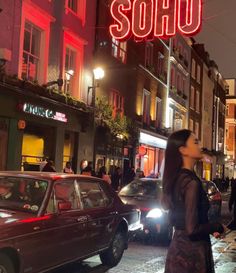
[183,194]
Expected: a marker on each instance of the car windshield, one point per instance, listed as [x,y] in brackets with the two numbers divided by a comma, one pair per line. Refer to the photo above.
[145,188]
[22,194]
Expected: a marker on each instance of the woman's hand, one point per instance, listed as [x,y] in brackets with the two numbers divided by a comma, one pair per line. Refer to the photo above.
[218,235]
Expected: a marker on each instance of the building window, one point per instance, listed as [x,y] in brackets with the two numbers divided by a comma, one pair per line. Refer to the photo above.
[191,125]
[171,117]
[178,121]
[198,101]
[198,74]
[146,106]
[160,64]
[158,112]
[73,52]
[227,110]
[149,54]
[193,71]
[73,5]
[192,97]
[77,7]
[172,79]
[31,52]
[70,70]
[179,82]
[119,50]
[197,129]
[184,85]
[117,102]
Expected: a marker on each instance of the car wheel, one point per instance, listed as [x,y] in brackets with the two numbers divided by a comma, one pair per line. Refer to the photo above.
[6,266]
[112,256]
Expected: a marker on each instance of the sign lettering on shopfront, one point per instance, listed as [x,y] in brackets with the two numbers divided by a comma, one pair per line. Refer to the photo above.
[150,19]
[43,112]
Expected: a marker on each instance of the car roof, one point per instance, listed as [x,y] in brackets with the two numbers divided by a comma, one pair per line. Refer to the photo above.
[146,179]
[45,175]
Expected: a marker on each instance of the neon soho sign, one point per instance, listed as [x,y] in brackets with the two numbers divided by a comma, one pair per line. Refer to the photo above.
[149,19]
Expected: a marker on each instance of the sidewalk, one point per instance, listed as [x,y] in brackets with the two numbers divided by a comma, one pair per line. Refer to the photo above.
[224,252]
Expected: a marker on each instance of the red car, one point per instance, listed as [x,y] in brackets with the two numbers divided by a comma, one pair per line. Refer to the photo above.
[48,220]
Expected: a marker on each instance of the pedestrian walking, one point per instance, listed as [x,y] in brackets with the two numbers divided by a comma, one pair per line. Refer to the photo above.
[190,250]
[103,174]
[88,170]
[116,179]
[68,168]
[232,206]
[49,167]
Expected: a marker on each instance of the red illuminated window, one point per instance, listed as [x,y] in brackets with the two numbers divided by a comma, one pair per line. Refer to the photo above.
[149,54]
[70,70]
[73,5]
[119,50]
[117,102]
[77,7]
[146,106]
[31,52]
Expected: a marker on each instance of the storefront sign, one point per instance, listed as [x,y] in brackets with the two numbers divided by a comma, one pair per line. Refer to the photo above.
[152,140]
[43,112]
[150,19]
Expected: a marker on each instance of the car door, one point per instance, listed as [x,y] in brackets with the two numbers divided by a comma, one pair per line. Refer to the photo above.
[67,228]
[101,215]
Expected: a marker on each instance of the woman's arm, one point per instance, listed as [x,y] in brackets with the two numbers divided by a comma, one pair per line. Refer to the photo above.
[195,230]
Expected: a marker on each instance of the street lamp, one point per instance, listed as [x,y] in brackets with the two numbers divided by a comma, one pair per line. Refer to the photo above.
[98,74]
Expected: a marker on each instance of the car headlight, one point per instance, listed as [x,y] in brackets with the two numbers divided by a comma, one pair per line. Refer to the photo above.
[154,213]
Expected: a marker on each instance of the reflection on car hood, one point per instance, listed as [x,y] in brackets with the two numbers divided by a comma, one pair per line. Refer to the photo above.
[141,202]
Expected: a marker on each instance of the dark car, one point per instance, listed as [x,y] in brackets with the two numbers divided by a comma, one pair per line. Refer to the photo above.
[215,199]
[47,220]
[145,193]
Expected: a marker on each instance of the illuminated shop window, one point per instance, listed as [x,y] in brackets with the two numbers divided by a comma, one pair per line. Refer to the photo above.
[119,50]
[31,52]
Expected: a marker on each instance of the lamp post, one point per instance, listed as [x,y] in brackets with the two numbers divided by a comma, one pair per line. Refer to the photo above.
[98,74]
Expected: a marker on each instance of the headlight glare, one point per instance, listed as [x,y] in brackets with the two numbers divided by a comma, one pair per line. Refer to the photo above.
[154,213]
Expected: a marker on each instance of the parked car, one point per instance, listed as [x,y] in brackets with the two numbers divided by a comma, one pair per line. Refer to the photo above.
[48,220]
[145,193]
[215,199]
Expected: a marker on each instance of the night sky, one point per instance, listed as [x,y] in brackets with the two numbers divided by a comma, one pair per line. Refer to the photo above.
[219,34]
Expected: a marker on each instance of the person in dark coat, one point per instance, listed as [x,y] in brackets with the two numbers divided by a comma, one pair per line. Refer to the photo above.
[116,179]
[232,206]
[183,194]
[49,167]
[88,170]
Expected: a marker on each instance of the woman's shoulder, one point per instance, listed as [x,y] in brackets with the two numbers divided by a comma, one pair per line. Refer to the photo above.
[187,178]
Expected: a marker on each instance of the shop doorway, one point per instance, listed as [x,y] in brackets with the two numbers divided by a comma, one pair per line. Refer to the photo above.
[70,152]
[38,143]
[3,145]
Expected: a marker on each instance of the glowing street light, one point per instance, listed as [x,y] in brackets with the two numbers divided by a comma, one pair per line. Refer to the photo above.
[98,73]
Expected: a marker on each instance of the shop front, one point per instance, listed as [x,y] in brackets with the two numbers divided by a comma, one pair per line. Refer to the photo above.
[151,153]
[33,128]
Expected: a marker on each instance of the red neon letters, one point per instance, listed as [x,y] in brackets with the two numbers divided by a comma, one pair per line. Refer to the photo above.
[148,19]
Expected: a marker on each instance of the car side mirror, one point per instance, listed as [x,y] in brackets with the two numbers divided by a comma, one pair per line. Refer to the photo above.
[64,206]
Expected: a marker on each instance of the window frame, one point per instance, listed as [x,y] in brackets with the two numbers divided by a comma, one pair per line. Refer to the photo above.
[115,97]
[146,113]
[197,95]
[81,10]
[77,44]
[121,53]
[42,20]
[148,61]
[192,97]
